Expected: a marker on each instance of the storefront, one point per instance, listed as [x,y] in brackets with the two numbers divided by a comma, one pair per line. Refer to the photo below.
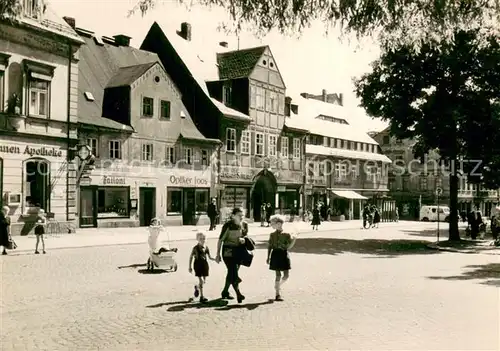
[290,185]
[123,196]
[33,176]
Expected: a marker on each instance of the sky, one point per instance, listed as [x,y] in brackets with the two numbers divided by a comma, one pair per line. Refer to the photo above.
[309,62]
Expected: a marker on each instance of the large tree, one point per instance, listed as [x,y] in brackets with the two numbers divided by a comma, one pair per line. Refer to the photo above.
[392,20]
[447,96]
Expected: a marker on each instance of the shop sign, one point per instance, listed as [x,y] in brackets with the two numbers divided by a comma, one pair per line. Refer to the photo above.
[289,176]
[109,180]
[31,151]
[237,173]
[185,181]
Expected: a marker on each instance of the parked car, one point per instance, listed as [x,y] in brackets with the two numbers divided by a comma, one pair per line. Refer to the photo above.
[432,213]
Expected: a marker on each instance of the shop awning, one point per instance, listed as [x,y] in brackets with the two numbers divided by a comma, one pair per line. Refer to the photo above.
[348,194]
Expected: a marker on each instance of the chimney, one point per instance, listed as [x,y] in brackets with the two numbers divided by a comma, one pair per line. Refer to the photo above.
[122,40]
[185,31]
[71,21]
[340,99]
[324,95]
[223,44]
[304,95]
[288,102]
[294,108]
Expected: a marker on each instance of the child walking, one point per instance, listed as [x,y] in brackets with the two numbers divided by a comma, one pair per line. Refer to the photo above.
[40,230]
[278,257]
[200,255]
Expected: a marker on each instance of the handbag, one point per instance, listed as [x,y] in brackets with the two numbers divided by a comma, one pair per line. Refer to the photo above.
[246,257]
[249,244]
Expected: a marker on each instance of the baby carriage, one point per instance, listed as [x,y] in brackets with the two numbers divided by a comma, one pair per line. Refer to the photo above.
[163,257]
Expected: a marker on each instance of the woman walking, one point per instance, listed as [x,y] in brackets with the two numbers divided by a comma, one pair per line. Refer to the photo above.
[316,220]
[231,243]
[5,229]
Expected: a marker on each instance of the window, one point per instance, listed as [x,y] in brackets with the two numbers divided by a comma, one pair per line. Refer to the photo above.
[354,171]
[358,146]
[274,102]
[259,144]
[253,96]
[201,200]
[94,146]
[259,96]
[285,141]
[36,185]
[113,202]
[273,141]
[188,155]
[333,142]
[245,142]
[296,148]
[170,154]
[385,140]
[147,107]
[321,169]
[174,201]
[231,139]
[31,8]
[115,149]
[39,97]
[147,152]
[204,158]
[423,183]
[226,94]
[165,109]
[281,104]
[196,156]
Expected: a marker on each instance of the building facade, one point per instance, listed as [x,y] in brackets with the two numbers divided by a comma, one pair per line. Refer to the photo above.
[150,160]
[38,115]
[345,167]
[414,182]
[239,98]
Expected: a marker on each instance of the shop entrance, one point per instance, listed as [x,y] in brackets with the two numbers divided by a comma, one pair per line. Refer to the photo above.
[88,207]
[189,209]
[264,192]
[147,209]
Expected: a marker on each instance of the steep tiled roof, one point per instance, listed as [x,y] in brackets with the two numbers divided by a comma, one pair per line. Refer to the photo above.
[127,75]
[238,64]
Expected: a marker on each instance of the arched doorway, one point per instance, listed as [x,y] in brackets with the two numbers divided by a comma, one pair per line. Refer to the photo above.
[263,191]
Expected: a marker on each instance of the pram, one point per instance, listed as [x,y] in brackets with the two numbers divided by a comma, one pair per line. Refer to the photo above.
[164,257]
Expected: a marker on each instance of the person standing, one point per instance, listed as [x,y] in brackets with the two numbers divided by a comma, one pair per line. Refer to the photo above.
[5,229]
[198,260]
[212,213]
[316,220]
[269,212]
[40,230]
[231,242]
[376,217]
[263,214]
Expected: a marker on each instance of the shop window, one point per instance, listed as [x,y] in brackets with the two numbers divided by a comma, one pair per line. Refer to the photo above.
[174,201]
[201,200]
[147,107]
[39,97]
[204,158]
[113,202]
[165,109]
[296,148]
[37,184]
[115,149]
[245,142]
[147,152]
[231,139]
[94,146]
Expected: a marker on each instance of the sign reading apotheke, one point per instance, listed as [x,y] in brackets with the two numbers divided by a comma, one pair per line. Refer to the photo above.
[30,150]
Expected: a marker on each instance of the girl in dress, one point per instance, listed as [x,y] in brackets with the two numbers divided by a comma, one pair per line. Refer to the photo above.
[40,230]
[200,255]
[278,257]
[316,221]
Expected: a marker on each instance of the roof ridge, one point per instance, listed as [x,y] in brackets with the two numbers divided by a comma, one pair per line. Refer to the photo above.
[242,50]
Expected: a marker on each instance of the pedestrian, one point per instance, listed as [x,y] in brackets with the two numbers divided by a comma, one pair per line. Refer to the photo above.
[263,214]
[269,212]
[316,220]
[397,215]
[5,229]
[231,242]
[212,214]
[376,217]
[41,222]
[278,257]
[200,255]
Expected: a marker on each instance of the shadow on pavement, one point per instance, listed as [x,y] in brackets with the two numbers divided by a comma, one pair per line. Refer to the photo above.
[137,265]
[385,248]
[489,274]
[156,271]
[429,233]
[248,306]
[190,304]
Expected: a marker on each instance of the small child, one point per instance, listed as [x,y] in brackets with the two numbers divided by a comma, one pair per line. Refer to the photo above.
[155,229]
[199,254]
[41,222]
[278,258]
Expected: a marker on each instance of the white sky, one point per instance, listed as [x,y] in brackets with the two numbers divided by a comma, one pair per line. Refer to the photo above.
[308,63]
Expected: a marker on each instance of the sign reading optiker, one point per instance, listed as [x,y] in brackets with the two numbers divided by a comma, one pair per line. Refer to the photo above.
[184,181]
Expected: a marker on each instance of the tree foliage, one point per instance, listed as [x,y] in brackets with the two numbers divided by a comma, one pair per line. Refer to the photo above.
[10,8]
[396,20]
[446,96]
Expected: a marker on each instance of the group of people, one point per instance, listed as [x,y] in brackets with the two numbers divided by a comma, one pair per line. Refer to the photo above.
[371,216]
[6,241]
[234,248]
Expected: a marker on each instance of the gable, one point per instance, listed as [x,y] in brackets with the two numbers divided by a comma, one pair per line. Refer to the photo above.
[156,76]
[240,63]
[266,70]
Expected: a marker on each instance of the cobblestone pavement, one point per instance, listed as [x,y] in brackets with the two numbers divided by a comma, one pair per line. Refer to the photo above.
[342,294]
